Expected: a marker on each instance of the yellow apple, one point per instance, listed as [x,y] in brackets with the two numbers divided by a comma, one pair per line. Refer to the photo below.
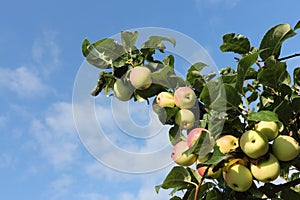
[254,144]
[269,129]
[227,143]
[180,158]
[140,77]
[165,99]
[185,119]
[238,178]
[266,170]
[285,148]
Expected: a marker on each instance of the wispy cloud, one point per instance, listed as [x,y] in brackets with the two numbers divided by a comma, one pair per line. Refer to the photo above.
[23,81]
[46,52]
[56,136]
[7,161]
[61,187]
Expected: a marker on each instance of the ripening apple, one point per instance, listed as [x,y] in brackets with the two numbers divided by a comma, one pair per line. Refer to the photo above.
[185,97]
[165,99]
[266,170]
[227,143]
[140,77]
[193,135]
[210,173]
[269,129]
[185,119]
[123,91]
[285,148]
[180,158]
[254,144]
[238,178]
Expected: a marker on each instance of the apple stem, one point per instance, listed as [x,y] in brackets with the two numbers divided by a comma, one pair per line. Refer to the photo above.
[200,183]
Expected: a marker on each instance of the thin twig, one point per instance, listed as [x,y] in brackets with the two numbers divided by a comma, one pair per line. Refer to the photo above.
[200,183]
[288,57]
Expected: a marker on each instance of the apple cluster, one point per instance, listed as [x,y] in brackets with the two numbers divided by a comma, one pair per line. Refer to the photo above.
[183,98]
[256,155]
[139,78]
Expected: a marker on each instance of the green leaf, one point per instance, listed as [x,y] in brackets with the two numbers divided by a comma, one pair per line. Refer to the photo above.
[102,53]
[175,134]
[284,111]
[156,42]
[244,65]
[178,178]
[194,78]
[235,43]
[167,78]
[274,75]
[227,98]
[216,157]
[297,25]
[213,194]
[105,82]
[297,76]
[129,40]
[273,39]
[175,198]
[263,115]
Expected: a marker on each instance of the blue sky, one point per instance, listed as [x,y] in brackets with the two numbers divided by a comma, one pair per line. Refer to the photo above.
[41,154]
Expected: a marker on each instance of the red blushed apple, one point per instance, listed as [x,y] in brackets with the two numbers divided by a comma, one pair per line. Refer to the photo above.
[179,157]
[140,77]
[185,97]
[210,173]
[227,143]
[193,135]
[165,99]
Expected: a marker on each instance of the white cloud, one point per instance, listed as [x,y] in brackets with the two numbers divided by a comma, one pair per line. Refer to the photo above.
[23,81]
[7,161]
[56,135]
[214,3]
[92,196]
[61,186]
[46,52]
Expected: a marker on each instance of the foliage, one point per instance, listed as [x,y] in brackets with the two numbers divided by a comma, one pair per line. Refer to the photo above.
[261,88]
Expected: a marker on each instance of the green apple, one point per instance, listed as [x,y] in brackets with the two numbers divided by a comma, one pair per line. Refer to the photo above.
[185,97]
[285,148]
[185,119]
[269,129]
[227,143]
[266,170]
[210,173]
[254,144]
[140,77]
[238,178]
[180,158]
[165,99]
[193,135]
[122,90]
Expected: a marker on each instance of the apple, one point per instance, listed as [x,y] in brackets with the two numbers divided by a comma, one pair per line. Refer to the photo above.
[140,77]
[180,158]
[238,178]
[269,129]
[193,135]
[123,91]
[165,99]
[285,148]
[184,97]
[185,119]
[227,143]
[254,144]
[266,170]
[210,173]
